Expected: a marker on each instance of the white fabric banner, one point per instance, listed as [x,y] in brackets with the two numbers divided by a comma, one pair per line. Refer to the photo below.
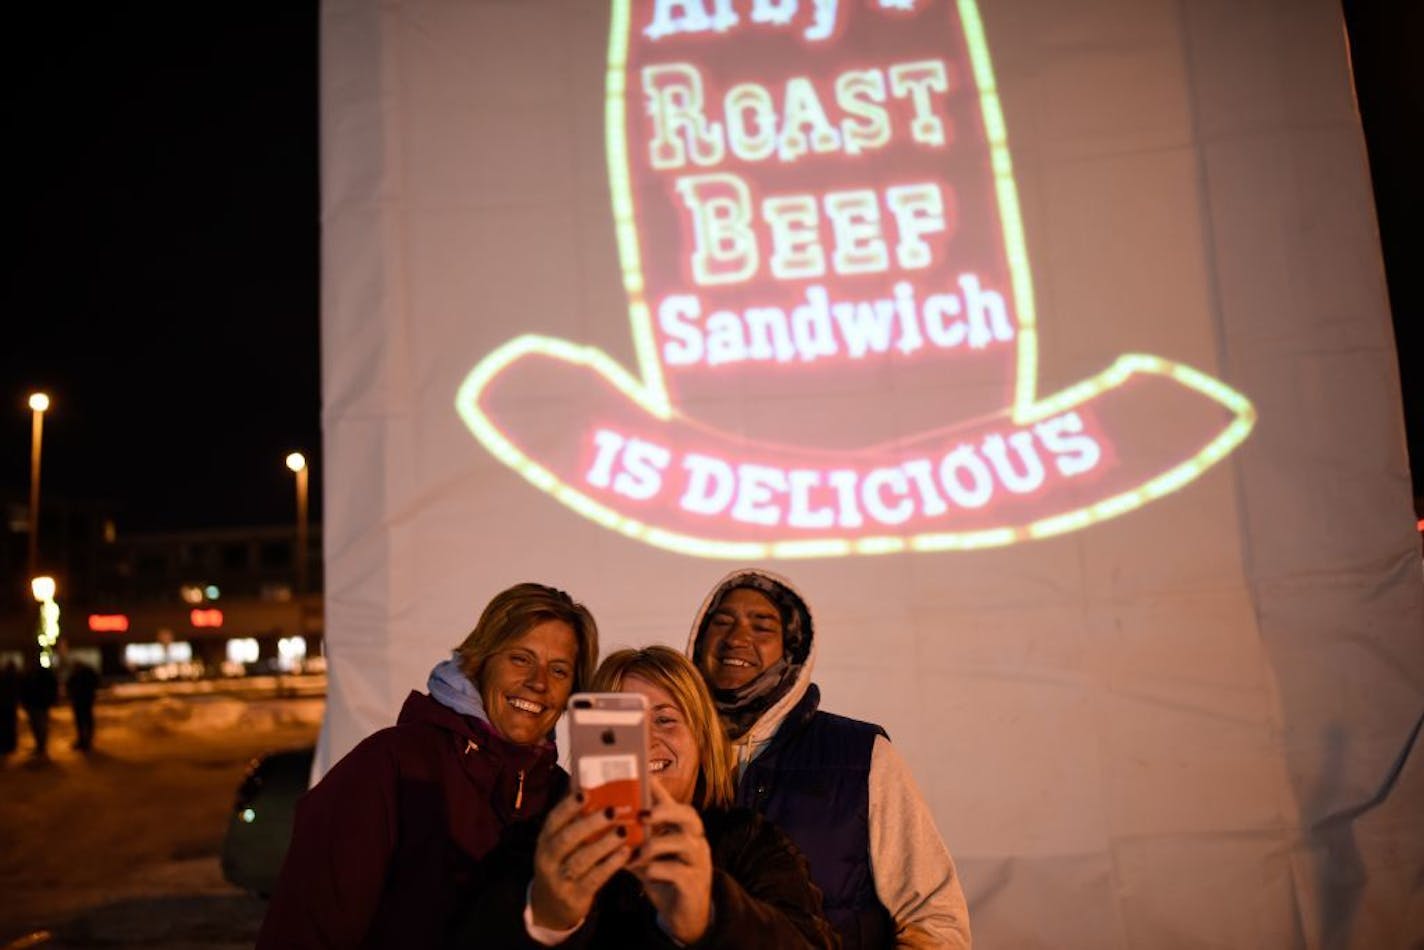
[1044,345]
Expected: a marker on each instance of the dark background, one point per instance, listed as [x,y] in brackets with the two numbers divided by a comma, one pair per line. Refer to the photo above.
[162,282]
[163,273]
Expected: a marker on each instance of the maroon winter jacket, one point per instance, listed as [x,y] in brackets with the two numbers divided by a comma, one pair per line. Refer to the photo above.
[404,829]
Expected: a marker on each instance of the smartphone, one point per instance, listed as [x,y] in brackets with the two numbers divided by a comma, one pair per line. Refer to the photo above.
[608,736]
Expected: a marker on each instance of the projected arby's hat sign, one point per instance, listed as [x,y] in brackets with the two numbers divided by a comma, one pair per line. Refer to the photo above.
[831,307]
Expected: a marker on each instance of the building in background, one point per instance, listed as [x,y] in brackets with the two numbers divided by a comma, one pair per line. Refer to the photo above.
[180,603]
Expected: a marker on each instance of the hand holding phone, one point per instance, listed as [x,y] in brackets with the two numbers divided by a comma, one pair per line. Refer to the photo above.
[608,733]
[576,854]
[675,868]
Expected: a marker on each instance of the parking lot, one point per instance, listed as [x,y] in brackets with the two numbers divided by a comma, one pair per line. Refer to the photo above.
[120,846]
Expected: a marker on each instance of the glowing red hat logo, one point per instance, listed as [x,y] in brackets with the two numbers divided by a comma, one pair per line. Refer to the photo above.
[818,242]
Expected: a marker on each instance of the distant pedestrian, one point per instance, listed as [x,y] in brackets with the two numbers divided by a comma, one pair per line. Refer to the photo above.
[82,684]
[39,689]
[9,701]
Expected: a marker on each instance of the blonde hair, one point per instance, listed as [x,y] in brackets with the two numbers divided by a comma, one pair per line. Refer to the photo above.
[675,674]
[513,613]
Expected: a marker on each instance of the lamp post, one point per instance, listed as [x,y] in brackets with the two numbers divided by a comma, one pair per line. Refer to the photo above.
[39,402]
[297,462]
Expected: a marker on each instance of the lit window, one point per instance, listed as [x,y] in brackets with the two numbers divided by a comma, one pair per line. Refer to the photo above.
[291,651]
[143,654]
[242,650]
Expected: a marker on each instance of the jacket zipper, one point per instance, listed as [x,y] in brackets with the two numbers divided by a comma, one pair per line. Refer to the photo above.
[470,746]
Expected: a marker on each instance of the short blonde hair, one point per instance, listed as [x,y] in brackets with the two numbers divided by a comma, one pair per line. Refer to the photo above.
[513,613]
[675,674]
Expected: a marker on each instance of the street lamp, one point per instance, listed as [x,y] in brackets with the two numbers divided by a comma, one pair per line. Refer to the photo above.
[39,402]
[48,633]
[297,462]
[43,588]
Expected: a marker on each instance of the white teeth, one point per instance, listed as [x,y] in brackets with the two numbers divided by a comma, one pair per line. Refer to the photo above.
[733,661]
[525,705]
[657,765]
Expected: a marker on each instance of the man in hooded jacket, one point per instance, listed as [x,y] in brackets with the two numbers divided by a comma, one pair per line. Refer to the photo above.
[835,785]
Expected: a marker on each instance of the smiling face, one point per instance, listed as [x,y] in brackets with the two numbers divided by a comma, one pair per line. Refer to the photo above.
[526,683]
[743,638]
[672,748]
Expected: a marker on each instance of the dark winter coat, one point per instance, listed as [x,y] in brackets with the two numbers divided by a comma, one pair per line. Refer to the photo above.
[82,685]
[813,781]
[9,698]
[762,897]
[39,688]
[405,829]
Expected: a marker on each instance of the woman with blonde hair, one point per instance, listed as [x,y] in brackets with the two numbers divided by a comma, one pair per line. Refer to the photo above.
[670,672]
[707,875]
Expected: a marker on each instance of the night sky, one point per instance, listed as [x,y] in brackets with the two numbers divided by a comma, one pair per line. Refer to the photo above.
[162,282]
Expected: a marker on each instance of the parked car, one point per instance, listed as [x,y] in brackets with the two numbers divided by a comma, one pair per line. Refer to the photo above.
[261,822]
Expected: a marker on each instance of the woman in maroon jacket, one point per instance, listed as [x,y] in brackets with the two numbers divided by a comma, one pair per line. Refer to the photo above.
[412,823]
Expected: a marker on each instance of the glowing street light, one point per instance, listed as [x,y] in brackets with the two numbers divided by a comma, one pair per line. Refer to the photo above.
[43,588]
[39,402]
[48,634]
[297,462]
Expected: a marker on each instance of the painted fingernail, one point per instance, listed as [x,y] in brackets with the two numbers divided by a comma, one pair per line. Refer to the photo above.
[608,812]
[621,831]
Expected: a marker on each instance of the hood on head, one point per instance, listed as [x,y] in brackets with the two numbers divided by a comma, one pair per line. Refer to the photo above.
[798,633]
[797,630]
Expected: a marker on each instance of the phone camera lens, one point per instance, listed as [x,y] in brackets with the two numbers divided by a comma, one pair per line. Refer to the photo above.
[607,737]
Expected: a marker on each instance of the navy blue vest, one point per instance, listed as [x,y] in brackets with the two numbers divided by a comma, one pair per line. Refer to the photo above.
[813,782]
